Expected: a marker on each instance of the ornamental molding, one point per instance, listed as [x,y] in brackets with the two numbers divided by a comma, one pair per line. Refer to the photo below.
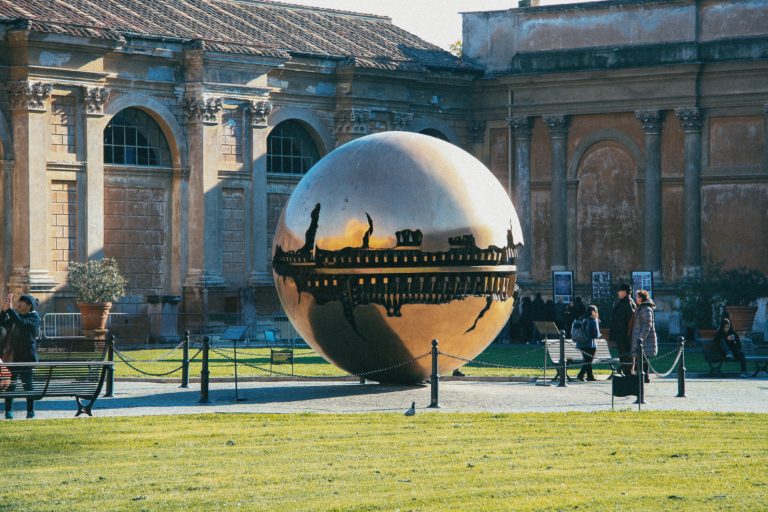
[651,121]
[402,120]
[259,112]
[94,99]
[557,124]
[205,110]
[476,130]
[355,121]
[32,96]
[690,119]
[522,126]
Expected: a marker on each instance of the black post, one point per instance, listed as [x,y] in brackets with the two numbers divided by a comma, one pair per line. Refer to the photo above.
[110,391]
[185,361]
[563,366]
[204,373]
[435,379]
[640,374]
[681,369]
[362,380]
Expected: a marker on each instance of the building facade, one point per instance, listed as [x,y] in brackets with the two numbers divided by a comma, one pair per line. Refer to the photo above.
[631,134]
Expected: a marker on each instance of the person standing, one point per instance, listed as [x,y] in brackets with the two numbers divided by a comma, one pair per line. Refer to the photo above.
[590,324]
[644,328]
[623,311]
[23,328]
[727,340]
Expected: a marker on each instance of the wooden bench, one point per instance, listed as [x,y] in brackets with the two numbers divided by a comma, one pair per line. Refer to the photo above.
[81,379]
[715,359]
[574,356]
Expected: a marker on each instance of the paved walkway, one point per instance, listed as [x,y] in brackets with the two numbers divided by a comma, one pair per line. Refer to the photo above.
[150,398]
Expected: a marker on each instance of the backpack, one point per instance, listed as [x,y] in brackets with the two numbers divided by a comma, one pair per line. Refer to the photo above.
[579,331]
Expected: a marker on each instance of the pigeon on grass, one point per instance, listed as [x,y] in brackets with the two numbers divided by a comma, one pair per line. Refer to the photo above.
[412,410]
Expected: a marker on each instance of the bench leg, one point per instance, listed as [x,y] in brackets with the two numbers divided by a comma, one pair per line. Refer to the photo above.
[82,408]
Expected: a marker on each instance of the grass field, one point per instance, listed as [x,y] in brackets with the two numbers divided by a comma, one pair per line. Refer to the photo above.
[307,362]
[431,462]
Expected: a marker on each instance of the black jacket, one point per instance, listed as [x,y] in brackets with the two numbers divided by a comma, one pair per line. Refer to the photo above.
[622,315]
[22,332]
[721,342]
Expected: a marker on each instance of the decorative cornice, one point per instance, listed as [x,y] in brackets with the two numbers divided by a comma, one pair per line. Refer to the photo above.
[353,121]
[401,120]
[690,119]
[94,99]
[205,110]
[651,121]
[558,125]
[521,126]
[26,95]
[476,130]
[259,111]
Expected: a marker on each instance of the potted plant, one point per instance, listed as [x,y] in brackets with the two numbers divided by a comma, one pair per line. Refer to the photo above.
[97,284]
[738,291]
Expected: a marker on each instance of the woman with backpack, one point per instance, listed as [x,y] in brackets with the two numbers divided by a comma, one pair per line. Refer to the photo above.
[584,332]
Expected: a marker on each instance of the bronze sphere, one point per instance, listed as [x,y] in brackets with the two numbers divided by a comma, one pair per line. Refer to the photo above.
[389,242]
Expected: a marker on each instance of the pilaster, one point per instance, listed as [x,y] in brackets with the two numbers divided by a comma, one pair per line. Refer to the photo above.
[558,131]
[652,126]
[521,131]
[94,99]
[691,121]
[258,112]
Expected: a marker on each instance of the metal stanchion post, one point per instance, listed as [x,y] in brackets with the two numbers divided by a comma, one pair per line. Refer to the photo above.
[204,373]
[640,374]
[110,391]
[185,361]
[681,369]
[563,366]
[435,379]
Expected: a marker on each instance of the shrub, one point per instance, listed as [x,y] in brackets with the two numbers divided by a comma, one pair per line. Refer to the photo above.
[96,281]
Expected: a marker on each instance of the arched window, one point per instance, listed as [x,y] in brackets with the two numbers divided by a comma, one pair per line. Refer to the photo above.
[134,138]
[435,133]
[290,149]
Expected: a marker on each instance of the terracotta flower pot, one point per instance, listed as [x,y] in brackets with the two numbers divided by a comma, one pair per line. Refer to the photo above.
[742,317]
[94,316]
[707,334]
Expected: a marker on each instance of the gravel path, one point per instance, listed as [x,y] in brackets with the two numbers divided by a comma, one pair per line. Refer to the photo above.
[150,398]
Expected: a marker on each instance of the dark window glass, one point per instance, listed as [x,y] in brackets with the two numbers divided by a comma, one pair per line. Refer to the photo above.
[290,149]
[132,137]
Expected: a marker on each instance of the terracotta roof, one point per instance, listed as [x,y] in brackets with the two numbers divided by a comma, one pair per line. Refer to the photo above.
[239,26]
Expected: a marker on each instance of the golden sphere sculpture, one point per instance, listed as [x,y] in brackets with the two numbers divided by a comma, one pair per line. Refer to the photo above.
[391,241]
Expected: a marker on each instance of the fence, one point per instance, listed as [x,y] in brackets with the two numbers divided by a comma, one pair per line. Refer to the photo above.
[67,325]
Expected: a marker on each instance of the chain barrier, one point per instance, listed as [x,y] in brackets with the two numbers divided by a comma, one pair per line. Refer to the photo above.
[316,377]
[158,359]
[151,374]
[674,364]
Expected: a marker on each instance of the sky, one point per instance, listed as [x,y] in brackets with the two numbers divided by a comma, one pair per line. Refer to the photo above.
[436,21]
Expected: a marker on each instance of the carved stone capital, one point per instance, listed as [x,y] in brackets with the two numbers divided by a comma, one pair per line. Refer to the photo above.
[690,119]
[476,130]
[651,121]
[205,110]
[94,99]
[259,112]
[353,121]
[401,120]
[558,125]
[26,95]
[521,126]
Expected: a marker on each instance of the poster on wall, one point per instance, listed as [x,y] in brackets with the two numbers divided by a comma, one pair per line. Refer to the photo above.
[562,286]
[601,286]
[642,280]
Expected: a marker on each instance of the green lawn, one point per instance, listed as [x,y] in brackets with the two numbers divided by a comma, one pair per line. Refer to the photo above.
[526,358]
[441,462]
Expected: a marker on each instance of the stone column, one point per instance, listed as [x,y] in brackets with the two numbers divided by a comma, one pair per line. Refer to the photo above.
[558,130]
[94,99]
[204,265]
[521,128]
[651,121]
[259,111]
[31,252]
[690,119]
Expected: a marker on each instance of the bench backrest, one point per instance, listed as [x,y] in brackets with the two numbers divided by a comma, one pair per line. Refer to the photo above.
[62,378]
[572,352]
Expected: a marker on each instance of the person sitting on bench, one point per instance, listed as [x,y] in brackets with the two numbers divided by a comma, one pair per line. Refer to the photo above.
[727,340]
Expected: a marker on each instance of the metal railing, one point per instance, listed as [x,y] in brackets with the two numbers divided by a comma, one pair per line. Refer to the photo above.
[68,325]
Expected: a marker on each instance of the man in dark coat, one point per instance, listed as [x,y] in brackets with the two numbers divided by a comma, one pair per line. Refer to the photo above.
[623,311]
[23,328]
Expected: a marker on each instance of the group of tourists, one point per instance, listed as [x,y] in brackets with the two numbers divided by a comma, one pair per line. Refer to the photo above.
[631,320]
